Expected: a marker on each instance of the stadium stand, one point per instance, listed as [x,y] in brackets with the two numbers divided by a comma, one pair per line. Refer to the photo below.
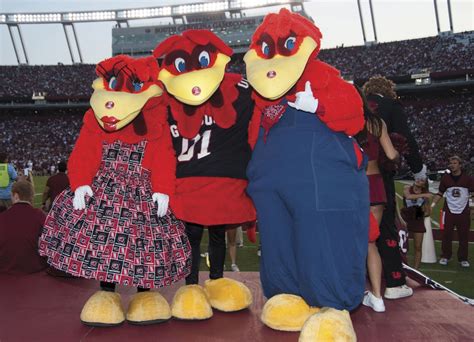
[394,59]
[442,121]
[44,137]
[443,127]
[440,53]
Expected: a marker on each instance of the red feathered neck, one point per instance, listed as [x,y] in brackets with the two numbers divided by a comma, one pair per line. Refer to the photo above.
[148,125]
[220,107]
[317,72]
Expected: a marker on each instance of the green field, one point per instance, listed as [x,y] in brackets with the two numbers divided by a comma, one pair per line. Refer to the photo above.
[453,276]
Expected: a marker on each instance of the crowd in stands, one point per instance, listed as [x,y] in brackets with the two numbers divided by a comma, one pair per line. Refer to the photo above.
[441,53]
[442,127]
[60,82]
[42,138]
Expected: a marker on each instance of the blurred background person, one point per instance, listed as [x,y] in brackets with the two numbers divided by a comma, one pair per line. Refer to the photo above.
[7,176]
[231,236]
[417,200]
[382,99]
[55,185]
[374,139]
[20,228]
[456,185]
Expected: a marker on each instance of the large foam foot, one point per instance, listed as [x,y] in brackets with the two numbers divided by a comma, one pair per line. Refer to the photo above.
[286,312]
[328,325]
[228,295]
[103,308]
[191,303]
[148,308]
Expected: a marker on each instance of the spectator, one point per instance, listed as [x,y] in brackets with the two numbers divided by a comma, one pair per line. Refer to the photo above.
[7,176]
[20,228]
[231,234]
[55,185]
[456,185]
[381,95]
[27,175]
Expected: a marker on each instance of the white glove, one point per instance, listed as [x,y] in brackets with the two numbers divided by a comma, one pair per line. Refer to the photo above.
[79,201]
[162,200]
[305,100]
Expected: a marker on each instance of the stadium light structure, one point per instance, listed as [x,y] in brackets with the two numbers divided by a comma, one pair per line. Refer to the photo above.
[137,13]
[236,4]
[122,16]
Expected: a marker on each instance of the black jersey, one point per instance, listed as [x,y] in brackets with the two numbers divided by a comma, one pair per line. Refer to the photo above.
[215,151]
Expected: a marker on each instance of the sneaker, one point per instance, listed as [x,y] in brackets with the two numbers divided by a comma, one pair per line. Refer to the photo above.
[234,268]
[375,303]
[204,255]
[259,253]
[465,263]
[240,245]
[398,292]
[443,261]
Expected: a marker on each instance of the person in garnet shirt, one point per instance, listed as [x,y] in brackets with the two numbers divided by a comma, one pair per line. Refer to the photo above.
[55,185]
[20,228]
[456,186]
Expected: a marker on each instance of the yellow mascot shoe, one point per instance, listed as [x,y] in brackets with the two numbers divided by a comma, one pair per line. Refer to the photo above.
[148,308]
[329,325]
[228,295]
[190,303]
[286,312]
[103,309]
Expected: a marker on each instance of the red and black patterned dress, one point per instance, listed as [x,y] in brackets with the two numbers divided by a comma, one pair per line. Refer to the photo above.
[119,237]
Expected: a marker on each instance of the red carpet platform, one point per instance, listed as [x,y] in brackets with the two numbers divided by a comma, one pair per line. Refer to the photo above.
[42,308]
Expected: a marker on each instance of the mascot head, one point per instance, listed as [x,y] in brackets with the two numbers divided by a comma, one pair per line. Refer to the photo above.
[193,65]
[123,88]
[280,49]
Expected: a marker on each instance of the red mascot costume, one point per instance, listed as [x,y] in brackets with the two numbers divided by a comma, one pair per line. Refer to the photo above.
[307,181]
[209,116]
[114,225]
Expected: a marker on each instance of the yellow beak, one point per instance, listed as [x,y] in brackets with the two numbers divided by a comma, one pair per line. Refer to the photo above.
[195,87]
[273,78]
[114,109]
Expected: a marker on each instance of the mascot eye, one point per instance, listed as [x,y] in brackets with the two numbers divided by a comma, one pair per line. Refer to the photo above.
[180,64]
[265,49]
[137,86]
[113,82]
[290,43]
[204,59]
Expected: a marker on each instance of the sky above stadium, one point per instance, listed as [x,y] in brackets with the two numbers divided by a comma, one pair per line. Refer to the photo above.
[338,20]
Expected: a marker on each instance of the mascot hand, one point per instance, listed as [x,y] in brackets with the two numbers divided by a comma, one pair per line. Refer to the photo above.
[162,200]
[305,100]
[79,201]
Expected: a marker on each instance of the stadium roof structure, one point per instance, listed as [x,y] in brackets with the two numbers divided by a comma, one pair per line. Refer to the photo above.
[177,13]
[122,17]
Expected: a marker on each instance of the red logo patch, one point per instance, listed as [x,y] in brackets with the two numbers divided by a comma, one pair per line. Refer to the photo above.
[391,243]
[396,275]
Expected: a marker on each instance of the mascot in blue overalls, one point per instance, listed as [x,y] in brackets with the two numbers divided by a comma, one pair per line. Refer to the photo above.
[307,180]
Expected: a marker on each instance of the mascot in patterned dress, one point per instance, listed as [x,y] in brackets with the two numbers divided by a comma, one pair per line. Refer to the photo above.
[209,115]
[114,225]
[307,181]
